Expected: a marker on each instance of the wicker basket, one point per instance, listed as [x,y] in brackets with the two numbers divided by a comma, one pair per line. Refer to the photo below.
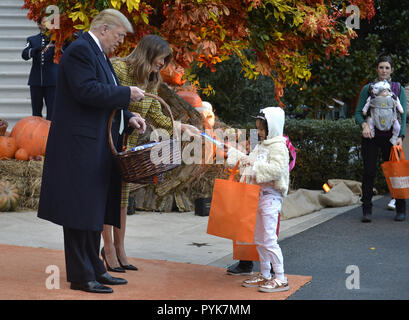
[137,166]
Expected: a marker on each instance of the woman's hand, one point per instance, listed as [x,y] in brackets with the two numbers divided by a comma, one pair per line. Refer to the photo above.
[399,142]
[366,131]
[190,130]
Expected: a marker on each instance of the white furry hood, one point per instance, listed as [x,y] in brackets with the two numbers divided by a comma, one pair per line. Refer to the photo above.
[275,117]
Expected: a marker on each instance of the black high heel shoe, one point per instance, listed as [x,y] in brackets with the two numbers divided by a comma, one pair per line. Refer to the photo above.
[116,269]
[128,266]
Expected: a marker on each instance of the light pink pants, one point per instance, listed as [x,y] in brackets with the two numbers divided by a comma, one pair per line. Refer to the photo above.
[265,235]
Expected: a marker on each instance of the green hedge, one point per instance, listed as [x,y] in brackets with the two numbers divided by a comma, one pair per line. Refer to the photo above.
[327,150]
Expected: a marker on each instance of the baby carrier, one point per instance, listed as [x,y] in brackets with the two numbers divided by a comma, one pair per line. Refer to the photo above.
[383,109]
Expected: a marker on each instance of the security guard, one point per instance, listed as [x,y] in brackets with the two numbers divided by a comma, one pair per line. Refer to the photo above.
[43,73]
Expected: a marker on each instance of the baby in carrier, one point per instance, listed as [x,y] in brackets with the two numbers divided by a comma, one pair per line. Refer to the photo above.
[383,103]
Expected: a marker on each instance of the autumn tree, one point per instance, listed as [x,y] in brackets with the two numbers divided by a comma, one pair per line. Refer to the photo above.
[285,36]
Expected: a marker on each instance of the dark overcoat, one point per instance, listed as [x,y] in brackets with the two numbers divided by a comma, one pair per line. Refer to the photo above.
[81,185]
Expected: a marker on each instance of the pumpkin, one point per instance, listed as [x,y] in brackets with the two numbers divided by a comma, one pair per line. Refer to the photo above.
[173,75]
[21,154]
[3,127]
[31,134]
[8,196]
[8,147]
[190,97]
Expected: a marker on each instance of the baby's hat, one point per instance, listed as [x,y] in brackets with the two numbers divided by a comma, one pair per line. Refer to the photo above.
[380,86]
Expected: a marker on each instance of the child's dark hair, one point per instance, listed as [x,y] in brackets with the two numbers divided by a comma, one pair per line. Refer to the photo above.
[385,58]
[263,122]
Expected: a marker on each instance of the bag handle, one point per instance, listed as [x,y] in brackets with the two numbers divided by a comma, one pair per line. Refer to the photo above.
[233,171]
[396,154]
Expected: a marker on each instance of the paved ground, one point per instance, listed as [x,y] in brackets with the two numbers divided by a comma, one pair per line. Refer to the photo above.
[177,237]
[375,254]
[347,259]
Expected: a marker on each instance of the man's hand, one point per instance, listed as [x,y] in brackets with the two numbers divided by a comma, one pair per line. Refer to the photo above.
[138,123]
[399,142]
[137,94]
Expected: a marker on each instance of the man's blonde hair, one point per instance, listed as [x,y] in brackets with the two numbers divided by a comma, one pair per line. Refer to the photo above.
[111,17]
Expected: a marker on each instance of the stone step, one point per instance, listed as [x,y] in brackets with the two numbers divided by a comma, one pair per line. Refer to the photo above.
[16,105]
[12,3]
[11,53]
[15,92]
[13,78]
[12,9]
[15,65]
[16,19]
[18,30]
[13,41]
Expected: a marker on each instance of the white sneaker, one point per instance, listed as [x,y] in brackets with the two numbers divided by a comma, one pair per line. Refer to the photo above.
[392,204]
[274,285]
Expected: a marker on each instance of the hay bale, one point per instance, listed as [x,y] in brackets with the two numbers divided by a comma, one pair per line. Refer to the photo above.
[26,176]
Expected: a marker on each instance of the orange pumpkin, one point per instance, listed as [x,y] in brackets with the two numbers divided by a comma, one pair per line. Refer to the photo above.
[21,154]
[190,97]
[8,147]
[31,134]
[173,75]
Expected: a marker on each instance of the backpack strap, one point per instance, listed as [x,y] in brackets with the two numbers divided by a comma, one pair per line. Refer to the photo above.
[396,89]
[292,151]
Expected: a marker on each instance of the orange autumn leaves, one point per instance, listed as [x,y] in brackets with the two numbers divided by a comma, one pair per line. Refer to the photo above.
[283,37]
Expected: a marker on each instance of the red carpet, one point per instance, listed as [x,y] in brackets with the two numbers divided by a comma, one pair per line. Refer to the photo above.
[23,277]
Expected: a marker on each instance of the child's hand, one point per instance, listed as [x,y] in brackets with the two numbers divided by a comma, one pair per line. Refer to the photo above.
[245,161]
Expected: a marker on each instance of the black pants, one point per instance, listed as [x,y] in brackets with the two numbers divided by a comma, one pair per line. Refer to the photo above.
[82,260]
[370,149]
[38,96]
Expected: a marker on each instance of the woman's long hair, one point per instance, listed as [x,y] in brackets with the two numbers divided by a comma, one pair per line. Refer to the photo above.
[142,57]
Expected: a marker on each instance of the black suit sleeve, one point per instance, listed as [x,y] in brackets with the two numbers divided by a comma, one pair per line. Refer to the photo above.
[29,51]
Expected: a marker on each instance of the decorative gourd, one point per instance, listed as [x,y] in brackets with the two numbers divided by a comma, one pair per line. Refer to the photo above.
[31,134]
[190,97]
[3,127]
[21,154]
[8,147]
[8,196]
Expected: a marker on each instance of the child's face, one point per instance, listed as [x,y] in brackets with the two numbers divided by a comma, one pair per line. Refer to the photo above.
[262,134]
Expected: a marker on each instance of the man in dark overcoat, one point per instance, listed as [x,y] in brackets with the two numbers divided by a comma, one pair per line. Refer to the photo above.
[81,185]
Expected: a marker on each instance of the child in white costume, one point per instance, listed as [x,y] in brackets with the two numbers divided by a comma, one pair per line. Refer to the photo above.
[268,166]
[382,97]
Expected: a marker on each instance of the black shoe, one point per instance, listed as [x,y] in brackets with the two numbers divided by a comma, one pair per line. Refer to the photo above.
[366,218]
[116,269]
[106,278]
[241,269]
[127,266]
[400,217]
[91,286]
